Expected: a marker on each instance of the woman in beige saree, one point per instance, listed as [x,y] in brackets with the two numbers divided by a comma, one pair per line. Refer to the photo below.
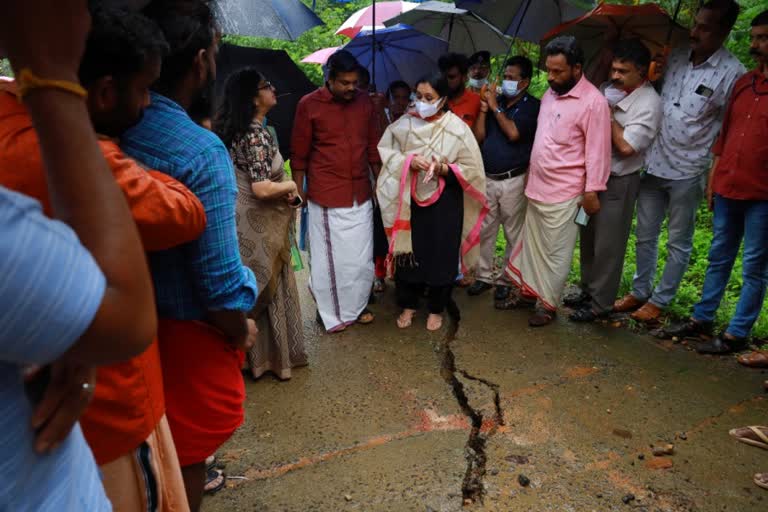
[265,222]
[431,191]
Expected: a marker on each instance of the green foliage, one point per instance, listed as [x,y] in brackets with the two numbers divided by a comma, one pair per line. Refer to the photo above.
[5,68]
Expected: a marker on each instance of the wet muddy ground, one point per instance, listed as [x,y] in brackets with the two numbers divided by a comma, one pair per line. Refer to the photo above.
[500,417]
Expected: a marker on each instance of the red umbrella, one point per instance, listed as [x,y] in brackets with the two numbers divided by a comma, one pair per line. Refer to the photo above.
[606,24]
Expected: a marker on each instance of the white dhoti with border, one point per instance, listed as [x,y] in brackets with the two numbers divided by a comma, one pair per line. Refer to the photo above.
[341,261]
[540,263]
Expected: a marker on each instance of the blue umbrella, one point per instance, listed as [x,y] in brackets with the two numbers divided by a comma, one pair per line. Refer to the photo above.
[274,19]
[396,53]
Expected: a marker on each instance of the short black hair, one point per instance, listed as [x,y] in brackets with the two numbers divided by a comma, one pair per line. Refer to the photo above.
[524,63]
[189,26]
[634,51]
[119,44]
[760,19]
[438,82]
[567,46]
[342,62]
[397,84]
[729,12]
[453,60]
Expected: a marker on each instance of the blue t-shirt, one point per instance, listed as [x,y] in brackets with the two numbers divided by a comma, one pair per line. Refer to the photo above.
[50,290]
[502,155]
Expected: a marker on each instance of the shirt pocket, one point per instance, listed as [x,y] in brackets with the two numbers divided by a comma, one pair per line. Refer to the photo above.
[561,128]
[695,105]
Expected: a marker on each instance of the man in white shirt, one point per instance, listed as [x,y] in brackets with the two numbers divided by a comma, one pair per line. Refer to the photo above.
[635,118]
[697,84]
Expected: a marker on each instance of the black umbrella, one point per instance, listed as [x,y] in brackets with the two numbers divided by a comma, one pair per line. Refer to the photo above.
[277,66]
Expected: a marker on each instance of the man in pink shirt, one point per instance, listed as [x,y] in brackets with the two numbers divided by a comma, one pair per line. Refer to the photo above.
[570,164]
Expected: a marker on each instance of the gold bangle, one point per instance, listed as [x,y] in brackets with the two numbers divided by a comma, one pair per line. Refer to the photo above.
[27,81]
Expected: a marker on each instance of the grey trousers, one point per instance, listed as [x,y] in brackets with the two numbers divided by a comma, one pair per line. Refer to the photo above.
[506,207]
[659,197]
[604,241]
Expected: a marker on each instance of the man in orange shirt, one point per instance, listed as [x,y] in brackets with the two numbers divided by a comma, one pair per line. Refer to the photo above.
[125,423]
[462,102]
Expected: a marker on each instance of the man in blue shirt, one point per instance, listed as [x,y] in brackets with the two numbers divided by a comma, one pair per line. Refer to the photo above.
[505,131]
[202,283]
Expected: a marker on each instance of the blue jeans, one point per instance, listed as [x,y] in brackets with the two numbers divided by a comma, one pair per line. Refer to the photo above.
[734,220]
[657,197]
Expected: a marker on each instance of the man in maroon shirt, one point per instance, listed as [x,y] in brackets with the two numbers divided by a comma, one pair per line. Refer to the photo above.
[738,193]
[334,145]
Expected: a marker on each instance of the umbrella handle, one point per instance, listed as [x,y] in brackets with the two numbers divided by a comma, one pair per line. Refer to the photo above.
[654,71]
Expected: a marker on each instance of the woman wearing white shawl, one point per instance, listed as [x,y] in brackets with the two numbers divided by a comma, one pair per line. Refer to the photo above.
[431,191]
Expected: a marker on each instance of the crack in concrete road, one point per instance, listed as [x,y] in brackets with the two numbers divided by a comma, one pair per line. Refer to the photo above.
[472,487]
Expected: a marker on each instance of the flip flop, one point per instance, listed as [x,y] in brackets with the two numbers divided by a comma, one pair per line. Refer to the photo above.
[435,327]
[366,317]
[761,480]
[403,322]
[215,480]
[210,463]
[762,443]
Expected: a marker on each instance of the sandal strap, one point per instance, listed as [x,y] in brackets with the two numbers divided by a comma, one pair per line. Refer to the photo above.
[759,433]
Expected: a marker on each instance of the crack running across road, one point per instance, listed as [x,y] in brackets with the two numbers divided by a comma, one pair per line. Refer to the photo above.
[473,487]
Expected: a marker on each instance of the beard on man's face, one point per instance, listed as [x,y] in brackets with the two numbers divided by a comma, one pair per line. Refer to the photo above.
[564,87]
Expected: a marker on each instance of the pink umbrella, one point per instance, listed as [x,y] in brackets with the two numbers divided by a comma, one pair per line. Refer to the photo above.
[363,19]
[320,56]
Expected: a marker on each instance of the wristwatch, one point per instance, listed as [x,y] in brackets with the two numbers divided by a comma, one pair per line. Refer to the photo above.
[499,110]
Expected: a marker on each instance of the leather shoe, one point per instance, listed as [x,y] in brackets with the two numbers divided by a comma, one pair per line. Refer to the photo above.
[627,303]
[577,300]
[478,287]
[722,345]
[541,317]
[690,329]
[585,315]
[755,359]
[647,314]
[501,293]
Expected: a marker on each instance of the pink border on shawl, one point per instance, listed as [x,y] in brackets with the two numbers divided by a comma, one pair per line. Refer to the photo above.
[515,273]
[396,224]
[473,238]
[431,199]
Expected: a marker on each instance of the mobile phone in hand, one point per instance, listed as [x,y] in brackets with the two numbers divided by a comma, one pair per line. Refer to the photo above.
[297,201]
[582,219]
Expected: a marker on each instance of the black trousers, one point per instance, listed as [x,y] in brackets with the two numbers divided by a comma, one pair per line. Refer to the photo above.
[409,296]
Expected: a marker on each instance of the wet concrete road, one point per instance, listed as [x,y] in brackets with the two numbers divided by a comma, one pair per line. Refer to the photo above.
[374,424]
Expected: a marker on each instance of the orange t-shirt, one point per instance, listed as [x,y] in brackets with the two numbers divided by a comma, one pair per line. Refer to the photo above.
[466,106]
[128,399]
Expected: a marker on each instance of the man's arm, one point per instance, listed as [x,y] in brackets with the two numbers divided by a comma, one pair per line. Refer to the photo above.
[597,149]
[166,213]
[479,129]
[374,136]
[638,134]
[82,191]
[226,288]
[301,147]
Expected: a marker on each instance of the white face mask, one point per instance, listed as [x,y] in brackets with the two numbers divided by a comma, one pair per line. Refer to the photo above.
[614,95]
[509,88]
[426,109]
[478,83]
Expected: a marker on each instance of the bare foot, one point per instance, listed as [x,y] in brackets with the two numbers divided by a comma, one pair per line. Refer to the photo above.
[406,318]
[434,322]
[761,480]
[754,436]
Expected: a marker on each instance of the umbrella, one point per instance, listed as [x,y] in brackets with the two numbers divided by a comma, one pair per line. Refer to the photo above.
[597,30]
[274,19]
[526,19]
[465,31]
[398,53]
[279,69]
[364,18]
[320,56]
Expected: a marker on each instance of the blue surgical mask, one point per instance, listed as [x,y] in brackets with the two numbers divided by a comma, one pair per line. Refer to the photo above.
[478,83]
[509,88]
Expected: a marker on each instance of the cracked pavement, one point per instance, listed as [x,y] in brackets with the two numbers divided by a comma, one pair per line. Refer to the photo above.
[377,422]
